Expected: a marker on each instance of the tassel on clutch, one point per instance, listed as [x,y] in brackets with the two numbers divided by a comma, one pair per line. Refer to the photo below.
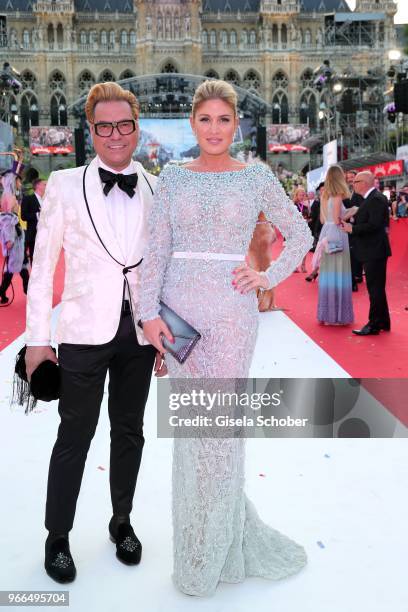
[44,385]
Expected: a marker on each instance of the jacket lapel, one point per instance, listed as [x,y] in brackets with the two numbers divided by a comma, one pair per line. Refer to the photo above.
[97,209]
[145,200]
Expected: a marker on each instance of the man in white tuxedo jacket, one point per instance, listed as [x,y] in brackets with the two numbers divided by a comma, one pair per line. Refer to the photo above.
[98,216]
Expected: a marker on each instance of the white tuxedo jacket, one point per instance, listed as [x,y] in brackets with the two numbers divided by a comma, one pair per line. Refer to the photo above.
[94,282]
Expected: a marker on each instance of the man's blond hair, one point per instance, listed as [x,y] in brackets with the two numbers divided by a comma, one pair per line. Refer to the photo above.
[109,92]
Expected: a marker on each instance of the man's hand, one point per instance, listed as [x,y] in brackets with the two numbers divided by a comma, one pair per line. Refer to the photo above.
[246,279]
[9,245]
[154,330]
[36,355]
[160,368]
[346,227]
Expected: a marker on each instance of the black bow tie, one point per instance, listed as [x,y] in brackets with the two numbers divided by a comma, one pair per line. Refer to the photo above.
[125,182]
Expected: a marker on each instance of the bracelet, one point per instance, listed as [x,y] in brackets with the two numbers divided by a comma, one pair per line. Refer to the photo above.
[262,289]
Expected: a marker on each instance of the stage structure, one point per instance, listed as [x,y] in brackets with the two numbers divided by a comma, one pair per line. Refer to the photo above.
[170,96]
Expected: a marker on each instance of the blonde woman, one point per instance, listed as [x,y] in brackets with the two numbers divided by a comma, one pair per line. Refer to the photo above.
[201,225]
[335,305]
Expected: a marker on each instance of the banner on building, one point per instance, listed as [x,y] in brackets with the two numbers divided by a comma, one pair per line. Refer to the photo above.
[386,169]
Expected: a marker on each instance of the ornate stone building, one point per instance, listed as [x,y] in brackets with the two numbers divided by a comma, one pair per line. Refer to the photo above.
[62,47]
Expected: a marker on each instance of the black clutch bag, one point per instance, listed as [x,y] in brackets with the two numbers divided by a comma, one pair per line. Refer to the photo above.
[184,334]
[44,384]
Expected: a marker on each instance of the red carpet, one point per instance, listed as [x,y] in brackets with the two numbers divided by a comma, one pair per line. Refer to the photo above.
[12,318]
[383,356]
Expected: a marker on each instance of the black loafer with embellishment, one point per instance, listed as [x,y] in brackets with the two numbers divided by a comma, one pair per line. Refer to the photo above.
[128,546]
[59,563]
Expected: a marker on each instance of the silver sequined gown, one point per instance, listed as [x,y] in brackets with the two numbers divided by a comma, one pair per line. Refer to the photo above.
[218,535]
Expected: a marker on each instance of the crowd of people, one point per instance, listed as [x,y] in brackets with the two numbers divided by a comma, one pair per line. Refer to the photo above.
[349,219]
[337,263]
[19,215]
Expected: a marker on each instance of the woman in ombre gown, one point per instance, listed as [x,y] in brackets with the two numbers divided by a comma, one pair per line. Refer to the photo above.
[335,304]
[201,225]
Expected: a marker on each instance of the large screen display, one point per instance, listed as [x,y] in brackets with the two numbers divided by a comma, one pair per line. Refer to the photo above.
[164,141]
[51,140]
[286,137]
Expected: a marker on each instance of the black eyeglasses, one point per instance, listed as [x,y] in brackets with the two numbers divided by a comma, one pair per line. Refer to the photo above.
[104,129]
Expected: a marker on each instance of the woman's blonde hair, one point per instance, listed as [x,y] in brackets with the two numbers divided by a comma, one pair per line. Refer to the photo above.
[215,90]
[335,184]
[297,191]
[109,92]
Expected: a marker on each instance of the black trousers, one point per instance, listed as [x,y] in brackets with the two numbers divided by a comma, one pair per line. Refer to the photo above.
[376,277]
[8,277]
[356,265]
[83,374]
[30,244]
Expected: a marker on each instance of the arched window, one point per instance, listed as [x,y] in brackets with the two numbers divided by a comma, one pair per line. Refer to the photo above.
[60,35]
[124,38]
[280,80]
[26,39]
[83,37]
[252,80]
[284,35]
[233,38]
[280,108]
[106,77]
[104,37]
[28,112]
[244,37]
[169,68]
[50,35]
[58,110]
[57,81]
[28,80]
[126,74]
[308,38]
[204,38]
[132,38]
[85,81]
[224,38]
[252,37]
[213,38]
[211,74]
[308,109]
[307,78]
[112,37]
[232,77]
[275,34]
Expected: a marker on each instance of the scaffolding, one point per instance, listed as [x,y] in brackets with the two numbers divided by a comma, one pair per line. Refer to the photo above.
[355,29]
[361,112]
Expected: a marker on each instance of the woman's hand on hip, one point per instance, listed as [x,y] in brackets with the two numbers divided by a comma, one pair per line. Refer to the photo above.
[246,279]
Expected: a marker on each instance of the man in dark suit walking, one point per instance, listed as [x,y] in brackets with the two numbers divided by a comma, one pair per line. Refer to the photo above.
[372,247]
[30,212]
